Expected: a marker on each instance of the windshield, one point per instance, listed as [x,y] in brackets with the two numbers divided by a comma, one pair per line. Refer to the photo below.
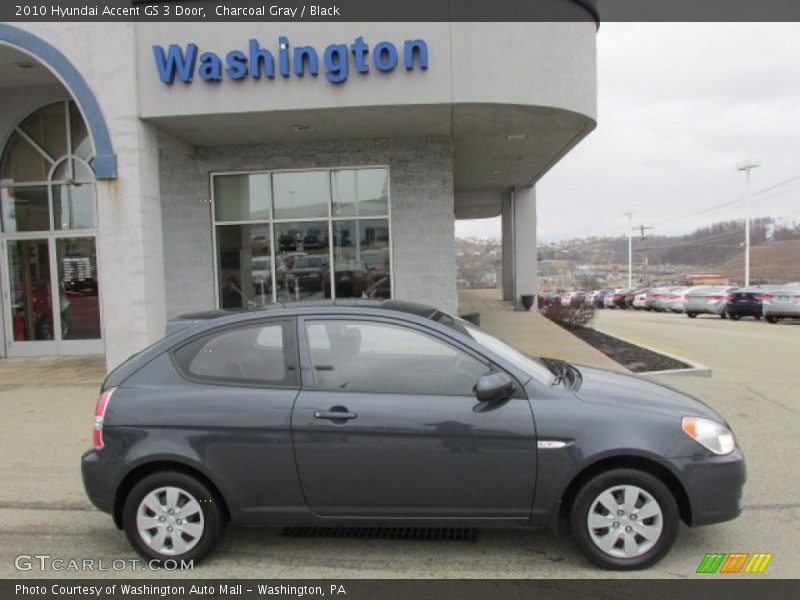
[533,366]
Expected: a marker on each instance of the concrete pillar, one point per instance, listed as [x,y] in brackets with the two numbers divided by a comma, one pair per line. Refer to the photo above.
[524,242]
[129,245]
[507,228]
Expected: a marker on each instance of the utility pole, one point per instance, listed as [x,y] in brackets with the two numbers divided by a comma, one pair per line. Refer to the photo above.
[630,248]
[747,166]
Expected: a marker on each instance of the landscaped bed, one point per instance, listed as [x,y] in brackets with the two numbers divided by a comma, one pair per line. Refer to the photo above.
[632,357]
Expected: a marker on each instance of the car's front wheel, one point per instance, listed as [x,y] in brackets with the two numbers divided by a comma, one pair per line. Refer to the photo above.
[624,519]
[172,515]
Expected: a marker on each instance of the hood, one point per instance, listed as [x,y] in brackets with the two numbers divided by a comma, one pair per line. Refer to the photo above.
[601,386]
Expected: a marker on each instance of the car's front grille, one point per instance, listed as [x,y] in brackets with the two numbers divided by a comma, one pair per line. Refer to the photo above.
[390,533]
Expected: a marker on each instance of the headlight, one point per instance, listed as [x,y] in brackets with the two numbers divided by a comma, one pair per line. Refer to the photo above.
[710,434]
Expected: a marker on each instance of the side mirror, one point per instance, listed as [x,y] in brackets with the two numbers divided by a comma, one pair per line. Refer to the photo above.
[494,387]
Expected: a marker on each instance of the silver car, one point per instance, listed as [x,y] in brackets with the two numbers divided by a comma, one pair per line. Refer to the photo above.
[707,300]
[782,302]
[677,298]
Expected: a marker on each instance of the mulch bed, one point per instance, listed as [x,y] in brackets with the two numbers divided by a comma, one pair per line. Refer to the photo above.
[632,357]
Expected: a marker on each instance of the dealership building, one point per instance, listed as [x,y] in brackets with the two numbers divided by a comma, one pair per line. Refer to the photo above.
[150,170]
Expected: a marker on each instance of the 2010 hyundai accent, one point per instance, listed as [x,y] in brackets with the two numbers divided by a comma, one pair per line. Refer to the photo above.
[388,412]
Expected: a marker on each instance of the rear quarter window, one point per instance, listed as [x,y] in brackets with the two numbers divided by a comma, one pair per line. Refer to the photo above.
[253,354]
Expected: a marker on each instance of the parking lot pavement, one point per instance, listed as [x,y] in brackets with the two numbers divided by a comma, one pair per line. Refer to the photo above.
[754,384]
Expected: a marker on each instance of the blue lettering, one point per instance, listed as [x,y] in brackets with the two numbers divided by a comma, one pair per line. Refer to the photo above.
[237,64]
[336,63]
[421,48]
[259,57]
[283,53]
[385,56]
[360,50]
[300,55]
[210,67]
[175,61]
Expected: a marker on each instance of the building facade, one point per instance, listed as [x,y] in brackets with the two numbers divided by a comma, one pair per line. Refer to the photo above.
[150,170]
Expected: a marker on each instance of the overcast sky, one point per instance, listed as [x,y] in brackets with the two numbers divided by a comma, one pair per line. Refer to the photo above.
[679,106]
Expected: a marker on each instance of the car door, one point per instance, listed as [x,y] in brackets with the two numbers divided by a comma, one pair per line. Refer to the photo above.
[387,425]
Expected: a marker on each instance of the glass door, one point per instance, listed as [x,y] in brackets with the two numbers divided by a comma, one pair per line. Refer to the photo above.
[51,296]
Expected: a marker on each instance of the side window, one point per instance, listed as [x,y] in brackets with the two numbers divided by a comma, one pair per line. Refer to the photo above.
[365,356]
[254,354]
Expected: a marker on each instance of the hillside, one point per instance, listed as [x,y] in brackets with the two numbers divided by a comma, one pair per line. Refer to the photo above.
[776,263]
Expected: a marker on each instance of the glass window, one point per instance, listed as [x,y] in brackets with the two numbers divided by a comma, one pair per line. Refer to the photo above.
[81,141]
[249,354]
[360,192]
[25,209]
[383,358]
[242,197]
[361,258]
[243,265]
[22,162]
[48,128]
[29,277]
[302,194]
[302,265]
[79,300]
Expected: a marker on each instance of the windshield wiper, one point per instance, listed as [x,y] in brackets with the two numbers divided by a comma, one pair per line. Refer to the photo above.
[559,368]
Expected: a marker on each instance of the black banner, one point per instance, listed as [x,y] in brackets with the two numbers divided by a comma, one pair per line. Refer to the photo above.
[370,589]
[400,10]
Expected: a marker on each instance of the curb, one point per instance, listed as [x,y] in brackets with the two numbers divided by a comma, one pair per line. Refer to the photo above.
[695,369]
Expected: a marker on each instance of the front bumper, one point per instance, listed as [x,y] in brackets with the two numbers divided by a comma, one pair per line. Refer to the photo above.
[714,485]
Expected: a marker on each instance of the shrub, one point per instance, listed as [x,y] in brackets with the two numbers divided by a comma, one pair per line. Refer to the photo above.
[569,317]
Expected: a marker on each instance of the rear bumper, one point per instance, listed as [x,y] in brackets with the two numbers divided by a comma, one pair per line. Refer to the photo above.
[100,475]
[715,486]
[744,310]
[777,311]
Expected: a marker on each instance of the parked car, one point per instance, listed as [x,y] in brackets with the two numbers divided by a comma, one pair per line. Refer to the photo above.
[709,300]
[640,298]
[630,295]
[577,299]
[599,299]
[610,298]
[782,302]
[746,302]
[395,413]
[674,300]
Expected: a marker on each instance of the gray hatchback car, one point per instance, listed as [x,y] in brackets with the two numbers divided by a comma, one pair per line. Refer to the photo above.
[393,413]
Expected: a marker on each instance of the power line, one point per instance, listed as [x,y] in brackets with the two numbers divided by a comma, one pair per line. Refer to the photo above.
[729,202]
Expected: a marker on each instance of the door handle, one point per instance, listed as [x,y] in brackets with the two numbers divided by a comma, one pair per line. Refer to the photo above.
[334,415]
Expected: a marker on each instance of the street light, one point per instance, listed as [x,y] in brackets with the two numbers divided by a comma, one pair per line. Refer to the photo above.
[747,166]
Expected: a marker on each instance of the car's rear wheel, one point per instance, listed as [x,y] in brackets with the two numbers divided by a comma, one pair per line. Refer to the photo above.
[771,319]
[624,519]
[172,515]
[691,315]
[734,317]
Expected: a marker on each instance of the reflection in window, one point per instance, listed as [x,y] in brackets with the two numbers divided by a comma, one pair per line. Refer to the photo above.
[296,206]
[243,264]
[360,192]
[361,258]
[301,195]
[302,269]
[79,300]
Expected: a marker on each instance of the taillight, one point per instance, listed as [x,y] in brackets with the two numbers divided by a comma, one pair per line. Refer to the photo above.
[759,296]
[716,297]
[731,296]
[674,296]
[99,415]
[767,297]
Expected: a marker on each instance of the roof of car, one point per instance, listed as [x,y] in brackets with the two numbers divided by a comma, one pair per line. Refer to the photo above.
[414,308]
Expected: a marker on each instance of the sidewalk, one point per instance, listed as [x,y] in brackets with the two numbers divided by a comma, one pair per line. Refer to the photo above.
[530,331]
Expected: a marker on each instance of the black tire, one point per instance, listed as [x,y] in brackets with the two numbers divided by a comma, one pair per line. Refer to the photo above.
[691,315]
[723,315]
[607,481]
[771,319]
[758,317]
[735,317]
[213,514]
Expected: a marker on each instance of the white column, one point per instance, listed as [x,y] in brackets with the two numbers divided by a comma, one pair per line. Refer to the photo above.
[525,252]
[507,228]
[129,245]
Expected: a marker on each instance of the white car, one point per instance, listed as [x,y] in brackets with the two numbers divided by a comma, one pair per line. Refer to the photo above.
[782,302]
[640,299]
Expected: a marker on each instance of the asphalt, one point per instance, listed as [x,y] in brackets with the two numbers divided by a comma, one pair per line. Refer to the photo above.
[754,384]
